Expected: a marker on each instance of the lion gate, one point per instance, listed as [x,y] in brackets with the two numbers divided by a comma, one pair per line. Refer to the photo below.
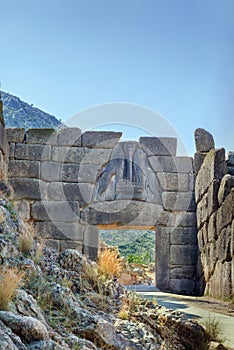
[71,184]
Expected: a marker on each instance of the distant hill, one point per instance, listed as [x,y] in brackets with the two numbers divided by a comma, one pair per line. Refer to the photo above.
[20,114]
[131,242]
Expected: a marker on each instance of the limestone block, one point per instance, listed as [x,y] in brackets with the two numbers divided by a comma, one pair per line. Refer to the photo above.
[100,139]
[60,230]
[24,168]
[26,188]
[50,171]
[183,286]
[202,211]
[225,212]
[12,151]
[88,173]
[56,211]
[15,134]
[183,235]
[200,239]
[204,140]
[212,194]
[23,209]
[55,191]
[227,280]
[69,172]
[198,160]
[169,164]
[162,146]
[32,152]
[41,136]
[232,242]
[213,168]
[178,201]
[69,137]
[183,255]
[90,247]
[230,160]
[79,192]
[212,229]
[224,248]
[174,182]
[162,248]
[204,230]
[180,218]
[227,183]
[4,143]
[183,272]
[4,171]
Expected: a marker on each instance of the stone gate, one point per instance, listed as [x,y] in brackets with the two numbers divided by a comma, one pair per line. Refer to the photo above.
[71,184]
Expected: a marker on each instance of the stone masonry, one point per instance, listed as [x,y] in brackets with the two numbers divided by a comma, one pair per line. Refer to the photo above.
[71,184]
[214,192]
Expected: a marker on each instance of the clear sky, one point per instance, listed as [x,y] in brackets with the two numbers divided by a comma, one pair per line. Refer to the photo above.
[173,56]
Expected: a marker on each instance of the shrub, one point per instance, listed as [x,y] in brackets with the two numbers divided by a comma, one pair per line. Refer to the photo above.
[10,281]
[213,330]
[109,263]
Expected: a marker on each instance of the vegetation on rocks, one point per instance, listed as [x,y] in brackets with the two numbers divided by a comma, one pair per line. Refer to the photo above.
[68,302]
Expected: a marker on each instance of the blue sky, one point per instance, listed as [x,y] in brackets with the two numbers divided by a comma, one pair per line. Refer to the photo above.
[173,56]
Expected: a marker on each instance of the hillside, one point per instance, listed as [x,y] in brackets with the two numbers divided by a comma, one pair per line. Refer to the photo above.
[18,113]
[131,243]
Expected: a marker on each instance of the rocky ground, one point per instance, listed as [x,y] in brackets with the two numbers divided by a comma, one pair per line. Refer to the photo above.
[64,303]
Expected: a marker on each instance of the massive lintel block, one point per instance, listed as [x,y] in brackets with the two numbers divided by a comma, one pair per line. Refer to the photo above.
[100,139]
[159,146]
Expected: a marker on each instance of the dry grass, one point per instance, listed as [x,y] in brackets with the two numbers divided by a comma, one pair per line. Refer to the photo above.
[26,239]
[214,330]
[2,216]
[38,252]
[10,280]
[109,263]
[124,312]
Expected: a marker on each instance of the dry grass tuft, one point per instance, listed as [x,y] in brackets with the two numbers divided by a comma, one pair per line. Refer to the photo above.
[10,280]
[214,330]
[124,312]
[26,239]
[109,263]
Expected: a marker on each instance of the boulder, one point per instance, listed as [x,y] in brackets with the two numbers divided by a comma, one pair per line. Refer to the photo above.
[204,140]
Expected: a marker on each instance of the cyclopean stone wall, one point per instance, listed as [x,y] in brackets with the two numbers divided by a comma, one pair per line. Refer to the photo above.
[70,184]
[214,192]
[3,152]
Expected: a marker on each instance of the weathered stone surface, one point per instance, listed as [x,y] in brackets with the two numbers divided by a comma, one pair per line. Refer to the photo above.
[69,172]
[198,160]
[26,188]
[3,142]
[159,146]
[69,137]
[24,168]
[119,213]
[183,254]
[204,140]
[4,171]
[183,286]
[178,201]
[58,211]
[224,252]
[28,328]
[175,182]
[180,218]
[32,152]
[15,134]
[85,173]
[81,192]
[213,168]
[230,160]
[183,235]
[225,212]
[169,164]
[77,245]
[187,272]
[162,248]
[9,340]
[226,185]
[43,136]
[50,171]
[100,139]
[212,229]
[91,235]
[60,230]
[23,209]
